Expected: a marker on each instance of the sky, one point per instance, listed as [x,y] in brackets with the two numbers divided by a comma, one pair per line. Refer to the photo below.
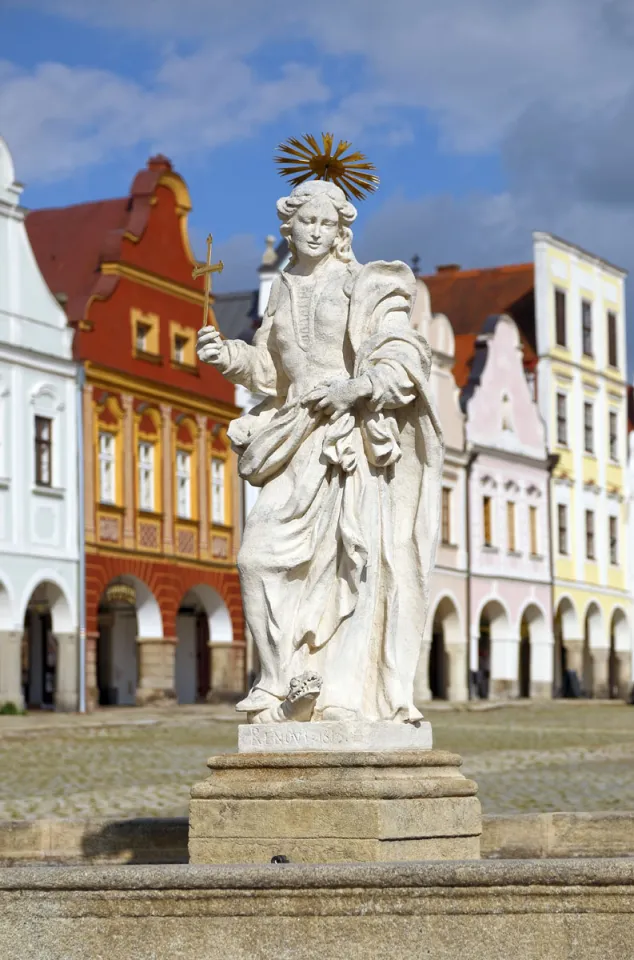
[486,120]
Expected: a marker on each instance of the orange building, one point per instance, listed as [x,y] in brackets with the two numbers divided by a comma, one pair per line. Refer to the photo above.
[163,610]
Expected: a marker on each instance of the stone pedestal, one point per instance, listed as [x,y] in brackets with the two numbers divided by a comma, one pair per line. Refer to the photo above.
[328,807]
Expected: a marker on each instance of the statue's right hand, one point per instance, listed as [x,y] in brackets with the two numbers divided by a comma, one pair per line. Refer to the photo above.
[211,348]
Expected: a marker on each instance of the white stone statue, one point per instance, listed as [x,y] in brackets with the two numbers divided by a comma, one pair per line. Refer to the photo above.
[338,551]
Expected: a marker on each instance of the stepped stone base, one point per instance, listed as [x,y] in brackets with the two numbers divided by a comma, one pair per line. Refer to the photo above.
[332,807]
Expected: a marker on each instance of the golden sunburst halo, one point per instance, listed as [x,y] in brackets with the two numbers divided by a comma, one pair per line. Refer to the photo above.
[304,159]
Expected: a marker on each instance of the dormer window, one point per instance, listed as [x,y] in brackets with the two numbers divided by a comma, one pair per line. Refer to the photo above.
[143,331]
[180,346]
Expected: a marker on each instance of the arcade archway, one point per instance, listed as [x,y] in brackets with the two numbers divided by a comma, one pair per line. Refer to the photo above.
[47,613]
[205,633]
[533,635]
[128,610]
[444,650]
[493,631]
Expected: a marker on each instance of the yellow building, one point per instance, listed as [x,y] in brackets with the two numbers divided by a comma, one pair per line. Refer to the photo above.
[580,334]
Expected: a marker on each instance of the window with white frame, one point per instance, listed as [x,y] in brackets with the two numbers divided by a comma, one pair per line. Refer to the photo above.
[562,419]
[586,328]
[562,529]
[588,427]
[180,346]
[184,484]
[43,451]
[614,540]
[107,467]
[218,490]
[533,527]
[510,526]
[591,553]
[445,527]
[613,422]
[145,464]
[487,521]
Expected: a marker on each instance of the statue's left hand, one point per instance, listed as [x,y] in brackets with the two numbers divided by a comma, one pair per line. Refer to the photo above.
[336,398]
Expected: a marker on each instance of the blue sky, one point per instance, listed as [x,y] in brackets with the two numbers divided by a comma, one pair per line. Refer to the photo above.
[485,120]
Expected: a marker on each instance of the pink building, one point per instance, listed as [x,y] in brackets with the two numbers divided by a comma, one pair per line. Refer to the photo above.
[510,578]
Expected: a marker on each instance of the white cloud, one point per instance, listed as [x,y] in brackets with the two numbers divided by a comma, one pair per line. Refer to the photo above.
[59,119]
[547,85]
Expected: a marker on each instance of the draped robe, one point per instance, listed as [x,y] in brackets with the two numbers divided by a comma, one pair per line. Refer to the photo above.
[338,551]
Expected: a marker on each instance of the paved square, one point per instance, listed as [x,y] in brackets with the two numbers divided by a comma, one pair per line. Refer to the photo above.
[127,762]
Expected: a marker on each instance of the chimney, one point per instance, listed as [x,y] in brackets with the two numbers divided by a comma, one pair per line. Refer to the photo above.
[448,268]
[159,162]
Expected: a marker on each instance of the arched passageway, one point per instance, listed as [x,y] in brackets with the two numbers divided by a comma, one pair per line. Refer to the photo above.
[592,641]
[619,665]
[533,637]
[567,662]
[47,614]
[446,653]
[493,638]
[128,611]
[203,652]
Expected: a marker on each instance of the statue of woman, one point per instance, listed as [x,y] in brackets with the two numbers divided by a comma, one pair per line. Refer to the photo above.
[337,552]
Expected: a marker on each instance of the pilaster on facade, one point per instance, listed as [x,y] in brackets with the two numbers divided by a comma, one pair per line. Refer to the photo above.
[168,482]
[129,459]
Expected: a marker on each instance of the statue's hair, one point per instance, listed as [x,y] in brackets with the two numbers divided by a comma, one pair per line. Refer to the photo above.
[287,207]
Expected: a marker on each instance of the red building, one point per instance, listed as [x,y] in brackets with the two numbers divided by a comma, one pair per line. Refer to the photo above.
[163,607]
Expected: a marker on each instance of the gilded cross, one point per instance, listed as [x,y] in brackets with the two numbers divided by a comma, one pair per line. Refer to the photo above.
[205,270]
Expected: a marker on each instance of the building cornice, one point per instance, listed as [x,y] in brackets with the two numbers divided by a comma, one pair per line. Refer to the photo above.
[509,457]
[565,247]
[106,378]
[34,360]
[148,279]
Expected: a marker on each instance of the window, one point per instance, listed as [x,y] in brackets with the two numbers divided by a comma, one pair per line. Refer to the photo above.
[486,520]
[588,428]
[180,346]
[560,318]
[614,541]
[142,333]
[590,545]
[613,435]
[146,475]
[445,526]
[532,523]
[613,351]
[107,467]
[183,484]
[562,419]
[586,327]
[43,452]
[510,524]
[217,490]
[562,528]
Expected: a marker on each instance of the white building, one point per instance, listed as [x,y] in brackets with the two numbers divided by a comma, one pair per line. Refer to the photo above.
[39,548]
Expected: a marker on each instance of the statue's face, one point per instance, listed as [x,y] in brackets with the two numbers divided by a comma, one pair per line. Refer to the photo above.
[314,228]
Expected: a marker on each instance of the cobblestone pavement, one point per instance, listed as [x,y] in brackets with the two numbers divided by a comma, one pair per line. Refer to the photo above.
[127,762]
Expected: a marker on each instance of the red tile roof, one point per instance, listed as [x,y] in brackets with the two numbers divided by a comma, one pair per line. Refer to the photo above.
[468,297]
[465,349]
[70,243]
